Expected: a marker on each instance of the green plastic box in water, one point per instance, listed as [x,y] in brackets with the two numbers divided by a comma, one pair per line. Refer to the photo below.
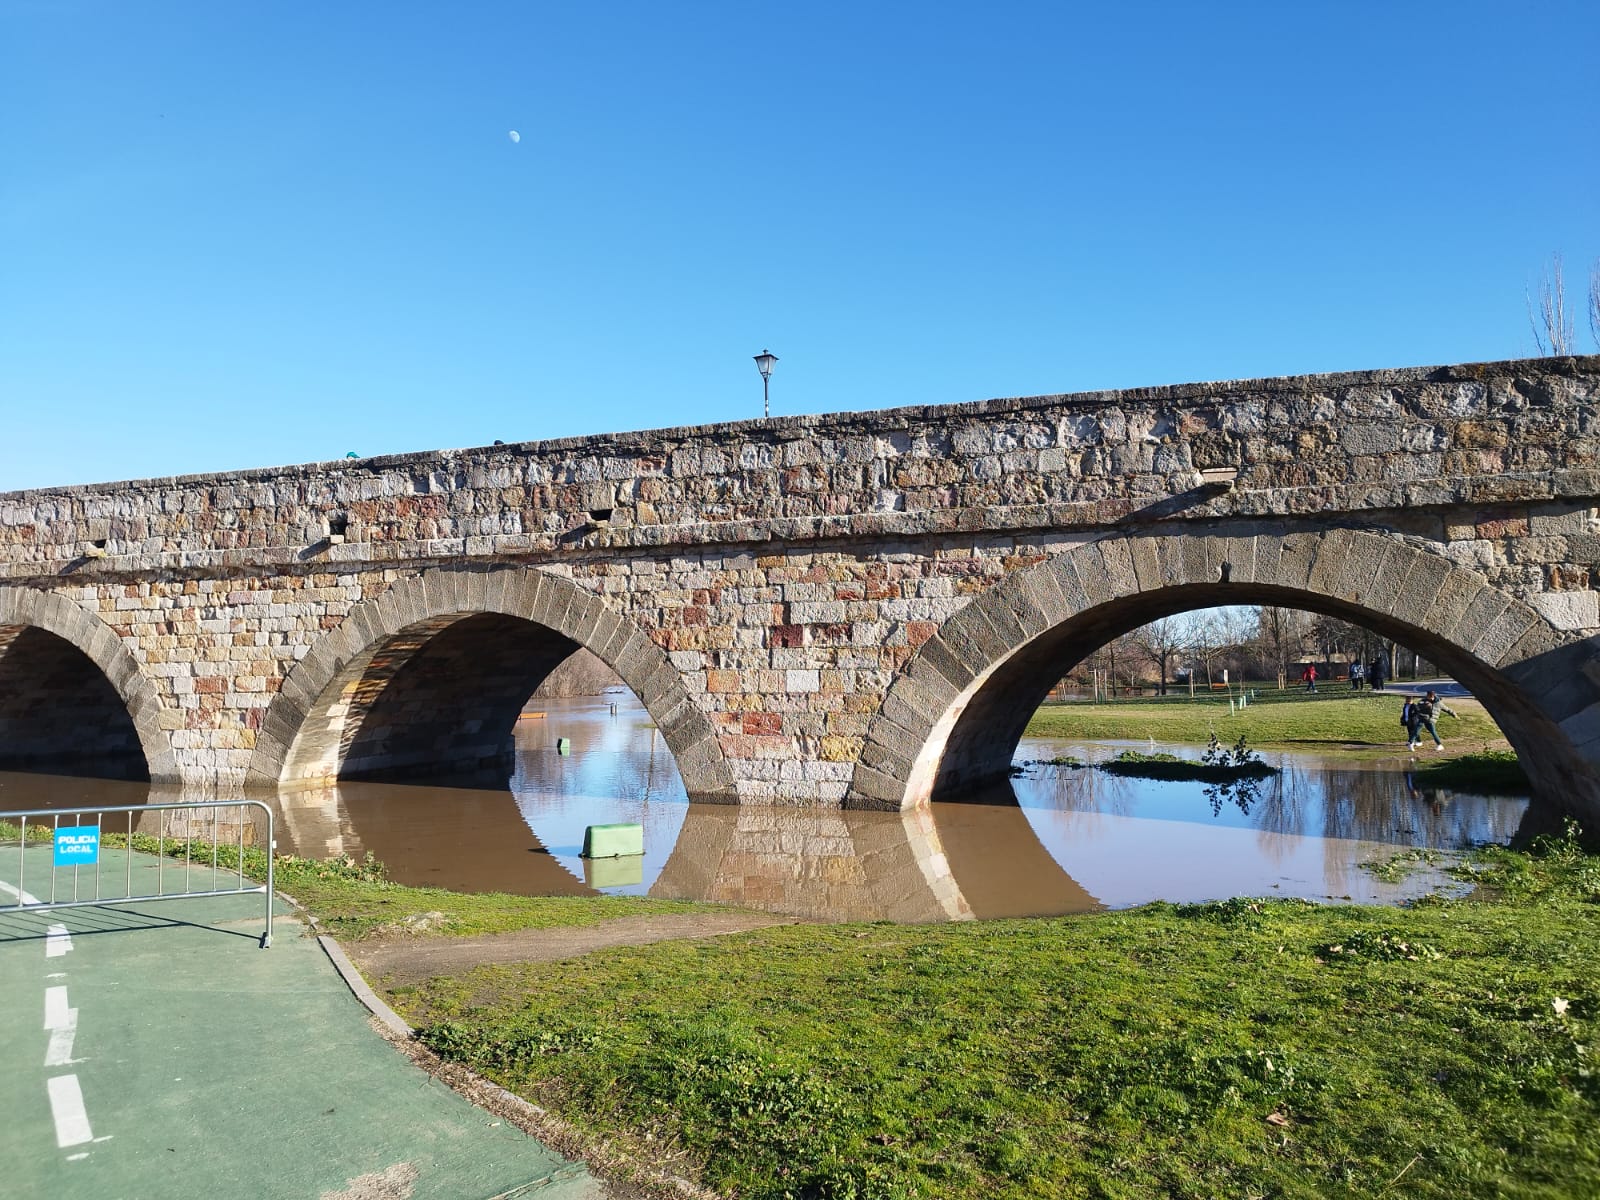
[613,841]
[614,872]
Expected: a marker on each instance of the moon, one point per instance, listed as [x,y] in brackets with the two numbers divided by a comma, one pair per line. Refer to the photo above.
[514,136]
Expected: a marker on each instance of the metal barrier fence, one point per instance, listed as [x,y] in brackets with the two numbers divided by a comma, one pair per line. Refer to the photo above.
[73,845]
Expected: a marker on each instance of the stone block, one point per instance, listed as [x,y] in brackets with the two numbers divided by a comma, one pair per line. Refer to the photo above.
[1297,553]
[1039,585]
[1418,591]
[1331,558]
[974,640]
[1120,577]
[881,758]
[1365,561]
[872,789]
[1505,633]
[1569,610]
[1455,595]
[904,745]
[1190,560]
[1146,563]
[1481,612]
[1063,571]
[910,708]
[957,664]
[1560,521]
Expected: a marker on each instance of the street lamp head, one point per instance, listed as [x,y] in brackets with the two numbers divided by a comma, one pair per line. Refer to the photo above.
[764,363]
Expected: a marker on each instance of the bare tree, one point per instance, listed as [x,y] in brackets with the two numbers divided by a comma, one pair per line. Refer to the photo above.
[1215,636]
[1159,642]
[1551,320]
[1281,633]
[1207,640]
[1594,303]
[1337,638]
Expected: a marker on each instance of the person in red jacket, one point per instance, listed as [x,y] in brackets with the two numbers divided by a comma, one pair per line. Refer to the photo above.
[1309,677]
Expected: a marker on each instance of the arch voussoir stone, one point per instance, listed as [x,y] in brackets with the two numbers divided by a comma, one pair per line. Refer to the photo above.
[1146,561]
[302,725]
[1116,561]
[1063,572]
[1457,590]
[1239,553]
[1296,554]
[1477,617]
[1328,562]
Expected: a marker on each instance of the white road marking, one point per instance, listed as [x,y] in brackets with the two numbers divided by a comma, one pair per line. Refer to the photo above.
[22,897]
[61,1022]
[57,1015]
[66,1106]
[59,1052]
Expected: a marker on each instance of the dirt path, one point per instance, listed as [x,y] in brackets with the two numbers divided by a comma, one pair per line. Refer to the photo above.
[407,960]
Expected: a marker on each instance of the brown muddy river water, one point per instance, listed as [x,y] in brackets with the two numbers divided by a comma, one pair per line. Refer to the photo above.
[1058,840]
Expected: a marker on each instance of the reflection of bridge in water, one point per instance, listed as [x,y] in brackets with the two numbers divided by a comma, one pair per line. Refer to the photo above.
[918,866]
[1053,841]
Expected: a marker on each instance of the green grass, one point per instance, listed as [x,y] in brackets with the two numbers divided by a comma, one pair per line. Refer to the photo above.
[1133,764]
[1243,1048]
[1246,1048]
[353,899]
[1324,723]
[1493,772]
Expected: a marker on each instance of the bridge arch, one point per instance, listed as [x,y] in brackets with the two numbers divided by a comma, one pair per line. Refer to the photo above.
[433,672]
[954,716]
[72,697]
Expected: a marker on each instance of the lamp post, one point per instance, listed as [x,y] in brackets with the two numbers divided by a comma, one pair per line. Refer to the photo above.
[764,364]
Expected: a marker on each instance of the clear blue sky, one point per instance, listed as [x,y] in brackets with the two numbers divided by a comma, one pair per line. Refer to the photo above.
[247,234]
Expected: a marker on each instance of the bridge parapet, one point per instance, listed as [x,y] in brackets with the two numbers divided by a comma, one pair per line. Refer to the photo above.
[1484,436]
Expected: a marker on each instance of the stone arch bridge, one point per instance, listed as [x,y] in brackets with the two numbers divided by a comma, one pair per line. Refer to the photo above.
[858,609]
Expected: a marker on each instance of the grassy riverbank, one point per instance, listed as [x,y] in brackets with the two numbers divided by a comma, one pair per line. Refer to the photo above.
[1249,1048]
[1361,720]
[1241,1049]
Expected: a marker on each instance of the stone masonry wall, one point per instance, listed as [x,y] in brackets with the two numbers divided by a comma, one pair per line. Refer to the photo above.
[789,568]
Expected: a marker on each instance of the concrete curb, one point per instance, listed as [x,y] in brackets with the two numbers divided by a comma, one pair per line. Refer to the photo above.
[358,986]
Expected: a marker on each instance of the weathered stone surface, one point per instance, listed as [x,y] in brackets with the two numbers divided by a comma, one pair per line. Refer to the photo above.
[786,595]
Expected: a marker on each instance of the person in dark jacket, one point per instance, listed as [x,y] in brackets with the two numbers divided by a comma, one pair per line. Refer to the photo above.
[1377,675]
[1423,712]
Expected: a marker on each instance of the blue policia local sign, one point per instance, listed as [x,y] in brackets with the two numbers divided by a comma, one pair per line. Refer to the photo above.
[77,845]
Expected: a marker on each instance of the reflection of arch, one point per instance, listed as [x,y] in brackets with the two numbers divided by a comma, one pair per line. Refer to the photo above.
[948,862]
[844,866]
[953,718]
[998,861]
[432,673]
[464,839]
[72,694]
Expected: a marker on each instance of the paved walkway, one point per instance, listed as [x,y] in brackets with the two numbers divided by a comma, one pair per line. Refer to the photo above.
[157,1051]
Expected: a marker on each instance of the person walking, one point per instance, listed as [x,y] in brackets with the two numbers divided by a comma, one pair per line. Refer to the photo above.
[1309,677]
[1377,674]
[1356,673]
[1423,713]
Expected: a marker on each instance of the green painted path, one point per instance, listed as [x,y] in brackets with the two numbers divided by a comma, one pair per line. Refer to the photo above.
[156,1051]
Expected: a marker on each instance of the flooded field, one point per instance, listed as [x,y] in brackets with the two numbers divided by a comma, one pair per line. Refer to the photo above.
[1056,839]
